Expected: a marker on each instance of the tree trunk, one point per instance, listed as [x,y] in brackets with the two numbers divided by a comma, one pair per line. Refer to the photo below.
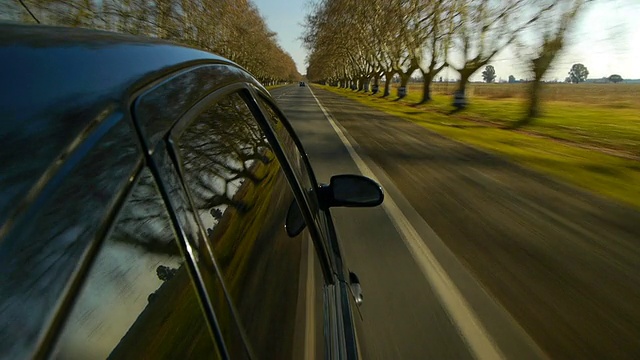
[404,80]
[460,96]
[464,79]
[387,85]
[361,84]
[534,100]
[533,108]
[376,83]
[427,79]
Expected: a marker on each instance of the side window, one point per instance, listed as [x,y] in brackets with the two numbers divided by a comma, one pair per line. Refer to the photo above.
[138,300]
[242,196]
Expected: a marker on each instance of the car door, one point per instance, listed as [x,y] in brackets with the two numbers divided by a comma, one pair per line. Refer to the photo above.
[241,190]
[183,94]
[338,296]
[230,212]
[156,109]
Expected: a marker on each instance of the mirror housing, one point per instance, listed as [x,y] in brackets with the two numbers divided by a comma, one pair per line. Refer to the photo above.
[351,191]
[294,223]
[356,288]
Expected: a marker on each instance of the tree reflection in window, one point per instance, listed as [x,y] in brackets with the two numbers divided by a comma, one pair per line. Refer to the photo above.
[242,198]
[217,164]
[138,300]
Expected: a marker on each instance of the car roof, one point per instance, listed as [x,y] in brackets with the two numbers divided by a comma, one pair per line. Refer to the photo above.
[56,81]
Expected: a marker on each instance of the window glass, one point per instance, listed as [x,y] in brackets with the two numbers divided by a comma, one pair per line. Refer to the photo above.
[292,152]
[242,198]
[138,300]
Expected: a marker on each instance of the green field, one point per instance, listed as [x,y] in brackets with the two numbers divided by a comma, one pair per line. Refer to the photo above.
[584,136]
[603,95]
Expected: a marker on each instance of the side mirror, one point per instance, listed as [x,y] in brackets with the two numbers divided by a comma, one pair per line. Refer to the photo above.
[351,191]
[294,223]
[343,190]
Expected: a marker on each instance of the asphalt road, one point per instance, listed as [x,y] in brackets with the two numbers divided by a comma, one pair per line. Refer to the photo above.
[472,256]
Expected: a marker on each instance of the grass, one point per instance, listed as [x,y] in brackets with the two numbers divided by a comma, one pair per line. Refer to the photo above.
[601,124]
[570,142]
[604,95]
[275,86]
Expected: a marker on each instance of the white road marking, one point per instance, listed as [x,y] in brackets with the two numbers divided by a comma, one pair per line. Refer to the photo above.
[310,331]
[462,315]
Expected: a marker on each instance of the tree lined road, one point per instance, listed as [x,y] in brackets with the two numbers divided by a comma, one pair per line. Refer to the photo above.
[472,256]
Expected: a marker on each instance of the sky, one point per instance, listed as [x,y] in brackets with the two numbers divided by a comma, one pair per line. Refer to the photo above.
[606,39]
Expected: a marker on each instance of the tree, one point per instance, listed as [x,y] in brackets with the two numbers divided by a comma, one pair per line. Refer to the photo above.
[547,38]
[484,28]
[438,31]
[512,79]
[578,73]
[489,74]
[352,41]
[615,78]
[230,28]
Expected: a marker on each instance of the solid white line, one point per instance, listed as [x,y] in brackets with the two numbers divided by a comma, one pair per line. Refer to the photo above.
[310,334]
[463,317]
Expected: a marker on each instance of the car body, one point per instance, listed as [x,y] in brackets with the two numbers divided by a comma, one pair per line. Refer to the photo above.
[145,189]
[302,83]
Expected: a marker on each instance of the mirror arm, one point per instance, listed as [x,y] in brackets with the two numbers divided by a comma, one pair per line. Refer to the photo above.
[325,196]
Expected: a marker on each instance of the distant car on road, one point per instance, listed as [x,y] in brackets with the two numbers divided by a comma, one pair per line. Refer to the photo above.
[156,203]
[302,83]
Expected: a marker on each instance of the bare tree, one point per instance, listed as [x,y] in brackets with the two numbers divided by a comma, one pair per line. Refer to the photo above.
[552,30]
[352,42]
[438,17]
[483,28]
[230,28]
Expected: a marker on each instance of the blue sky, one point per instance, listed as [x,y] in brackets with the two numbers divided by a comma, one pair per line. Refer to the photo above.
[606,39]
[286,18]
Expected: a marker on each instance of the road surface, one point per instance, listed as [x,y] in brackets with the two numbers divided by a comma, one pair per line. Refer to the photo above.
[472,256]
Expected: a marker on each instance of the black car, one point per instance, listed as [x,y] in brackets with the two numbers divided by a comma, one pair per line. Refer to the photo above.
[302,83]
[156,203]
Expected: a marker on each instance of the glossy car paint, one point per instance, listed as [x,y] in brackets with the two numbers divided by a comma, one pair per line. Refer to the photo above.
[71,152]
